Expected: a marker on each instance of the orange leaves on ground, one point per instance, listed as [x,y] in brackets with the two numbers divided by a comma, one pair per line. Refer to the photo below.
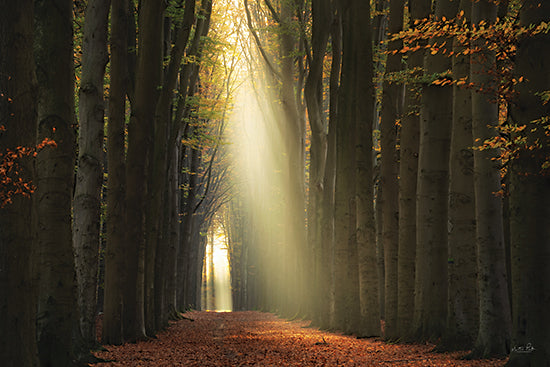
[261,339]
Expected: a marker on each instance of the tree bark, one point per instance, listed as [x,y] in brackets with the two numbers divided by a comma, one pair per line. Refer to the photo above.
[462,307]
[493,338]
[313,93]
[57,315]
[408,175]
[392,106]
[530,199]
[115,270]
[365,225]
[432,196]
[140,132]
[346,300]
[18,114]
[89,178]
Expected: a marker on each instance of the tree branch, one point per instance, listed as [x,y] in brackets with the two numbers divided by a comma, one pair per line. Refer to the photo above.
[258,42]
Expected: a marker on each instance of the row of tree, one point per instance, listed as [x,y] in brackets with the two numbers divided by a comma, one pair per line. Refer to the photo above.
[445,124]
[131,175]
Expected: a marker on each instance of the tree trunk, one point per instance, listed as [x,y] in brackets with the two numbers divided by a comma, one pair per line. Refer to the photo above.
[462,307]
[57,316]
[115,270]
[140,132]
[89,178]
[313,93]
[18,113]
[494,308]
[530,199]
[392,106]
[325,268]
[346,300]
[365,226]
[432,196]
[294,137]
[408,176]
[160,158]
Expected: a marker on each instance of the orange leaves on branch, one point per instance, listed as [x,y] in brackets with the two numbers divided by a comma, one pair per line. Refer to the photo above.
[11,181]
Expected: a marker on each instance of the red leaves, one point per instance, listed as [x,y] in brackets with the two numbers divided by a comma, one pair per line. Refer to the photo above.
[261,339]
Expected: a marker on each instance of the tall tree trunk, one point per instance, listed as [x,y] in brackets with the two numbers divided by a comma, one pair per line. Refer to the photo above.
[140,133]
[294,137]
[326,268]
[115,270]
[462,307]
[346,300]
[313,93]
[89,179]
[530,199]
[159,163]
[18,113]
[365,225]
[408,176]
[57,315]
[494,308]
[432,196]
[392,106]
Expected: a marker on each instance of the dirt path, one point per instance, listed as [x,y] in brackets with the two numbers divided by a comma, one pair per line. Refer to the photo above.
[261,339]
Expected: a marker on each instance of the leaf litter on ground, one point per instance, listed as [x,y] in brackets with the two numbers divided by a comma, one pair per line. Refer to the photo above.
[252,338]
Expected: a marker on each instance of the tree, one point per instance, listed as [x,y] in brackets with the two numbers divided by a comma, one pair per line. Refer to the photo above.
[346,296]
[18,113]
[529,196]
[313,93]
[408,169]
[364,191]
[462,307]
[159,166]
[191,160]
[494,309]
[325,269]
[432,193]
[57,316]
[115,236]
[89,179]
[140,132]
[392,97]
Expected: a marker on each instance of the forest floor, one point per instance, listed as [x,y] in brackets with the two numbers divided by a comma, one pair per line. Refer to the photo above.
[263,339]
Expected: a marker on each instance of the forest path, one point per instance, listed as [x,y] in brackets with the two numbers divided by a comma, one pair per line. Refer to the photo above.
[262,339]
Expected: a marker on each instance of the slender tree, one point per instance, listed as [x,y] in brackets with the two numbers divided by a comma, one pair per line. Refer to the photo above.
[365,226]
[408,166]
[159,165]
[140,132]
[392,106]
[313,93]
[89,178]
[115,237]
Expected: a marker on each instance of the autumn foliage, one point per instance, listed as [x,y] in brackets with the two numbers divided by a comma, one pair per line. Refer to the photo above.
[11,182]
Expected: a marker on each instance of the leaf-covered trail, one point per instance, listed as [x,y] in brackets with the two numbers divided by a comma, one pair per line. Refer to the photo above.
[262,339]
